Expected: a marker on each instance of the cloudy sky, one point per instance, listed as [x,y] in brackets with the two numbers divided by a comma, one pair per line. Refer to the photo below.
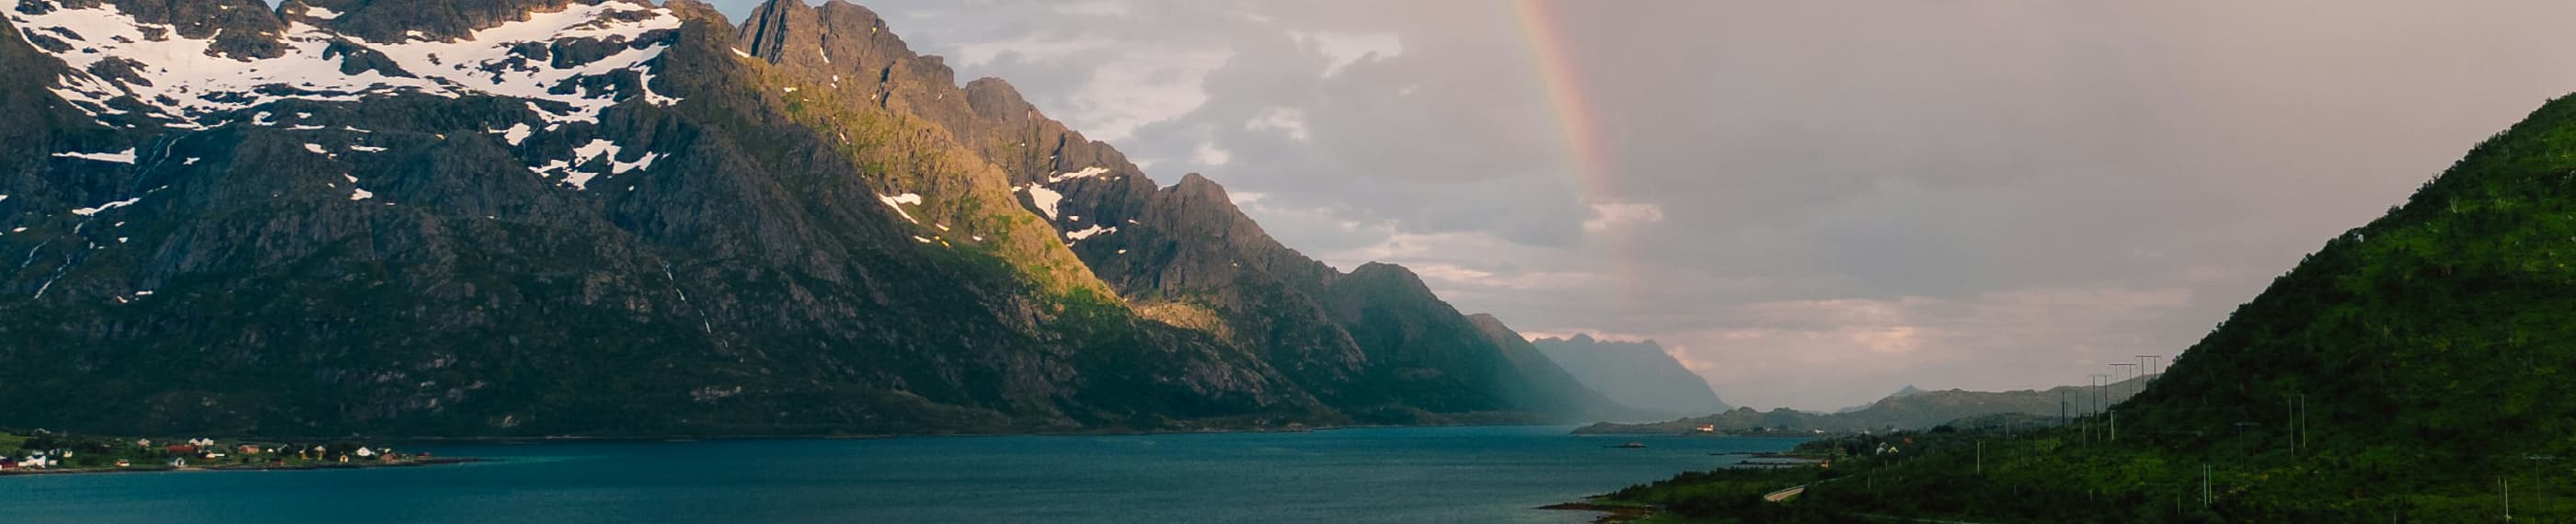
[1810,203]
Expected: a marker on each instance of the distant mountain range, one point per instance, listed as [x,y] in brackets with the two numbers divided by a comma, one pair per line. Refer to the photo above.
[1906,409]
[1636,374]
[1907,391]
[607,217]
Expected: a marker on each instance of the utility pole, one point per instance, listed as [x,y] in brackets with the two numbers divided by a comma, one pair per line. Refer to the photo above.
[2121,370]
[2091,382]
[2102,394]
[2100,400]
[2146,370]
[2506,487]
[2303,419]
[1981,458]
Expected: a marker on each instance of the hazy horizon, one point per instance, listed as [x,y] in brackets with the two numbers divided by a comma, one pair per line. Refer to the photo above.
[1810,204]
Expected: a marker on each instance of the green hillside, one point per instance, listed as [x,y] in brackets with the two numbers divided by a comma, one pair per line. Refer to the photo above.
[2428,347]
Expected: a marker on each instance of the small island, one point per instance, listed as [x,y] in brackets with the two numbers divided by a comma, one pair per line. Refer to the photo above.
[46,452]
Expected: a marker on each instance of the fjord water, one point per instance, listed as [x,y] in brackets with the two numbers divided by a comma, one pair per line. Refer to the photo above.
[1463,474]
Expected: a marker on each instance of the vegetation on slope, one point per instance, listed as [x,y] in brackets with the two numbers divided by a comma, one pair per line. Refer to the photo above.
[2411,370]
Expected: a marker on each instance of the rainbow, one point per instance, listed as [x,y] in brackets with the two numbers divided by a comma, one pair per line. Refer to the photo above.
[1585,154]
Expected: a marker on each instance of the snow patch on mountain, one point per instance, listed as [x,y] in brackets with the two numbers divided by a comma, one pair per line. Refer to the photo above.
[182,82]
[1045,199]
[89,211]
[1084,173]
[515,134]
[620,167]
[121,157]
[1085,233]
[897,201]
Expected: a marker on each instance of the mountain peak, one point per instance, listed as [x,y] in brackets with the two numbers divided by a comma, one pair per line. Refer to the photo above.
[1199,186]
[432,20]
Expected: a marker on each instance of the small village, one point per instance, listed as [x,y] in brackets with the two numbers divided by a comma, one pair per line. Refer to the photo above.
[40,451]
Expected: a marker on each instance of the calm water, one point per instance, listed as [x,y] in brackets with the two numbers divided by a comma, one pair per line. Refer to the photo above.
[1486,474]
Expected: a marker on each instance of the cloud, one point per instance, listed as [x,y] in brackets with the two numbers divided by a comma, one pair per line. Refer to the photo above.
[1027,49]
[1289,121]
[1210,155]
[1456,275]
[1991,341]
[1342,50]
[1141,90]
[1619,215]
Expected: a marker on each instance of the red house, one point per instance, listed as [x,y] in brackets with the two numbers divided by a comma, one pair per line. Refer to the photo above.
[182,449]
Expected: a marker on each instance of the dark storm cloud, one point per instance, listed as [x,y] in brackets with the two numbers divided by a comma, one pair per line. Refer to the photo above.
[1813,203]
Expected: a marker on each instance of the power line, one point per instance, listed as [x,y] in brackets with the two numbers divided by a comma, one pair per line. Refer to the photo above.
[2117,369]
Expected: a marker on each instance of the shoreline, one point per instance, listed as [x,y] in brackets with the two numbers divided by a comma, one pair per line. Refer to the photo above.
[1614,512]
[441,461]
[1611,513]
[542,439]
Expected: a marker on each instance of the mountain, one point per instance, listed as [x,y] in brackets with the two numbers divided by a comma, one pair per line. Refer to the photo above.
[1636,374]
[1553,387]
[1908,390]
[603,217]
[1374,342]
[2435,334]
[1907,409]
[2409,370]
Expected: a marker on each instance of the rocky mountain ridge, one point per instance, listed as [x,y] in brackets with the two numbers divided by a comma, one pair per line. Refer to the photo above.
[1636,374]
[529,217]
[1375,339]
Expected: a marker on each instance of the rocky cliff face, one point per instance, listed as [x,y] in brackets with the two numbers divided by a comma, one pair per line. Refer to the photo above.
[587,216]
